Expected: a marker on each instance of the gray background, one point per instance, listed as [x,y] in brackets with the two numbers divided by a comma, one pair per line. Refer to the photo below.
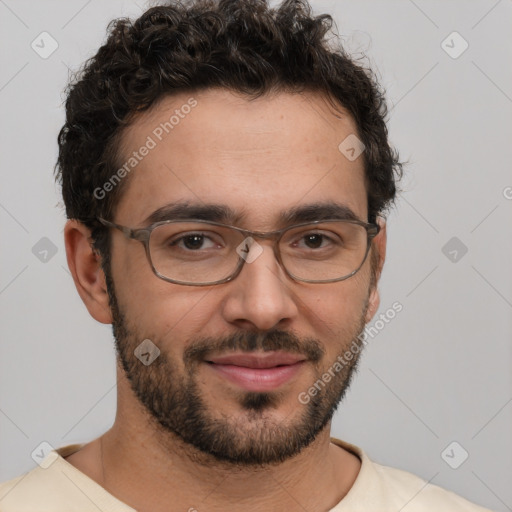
[439,372]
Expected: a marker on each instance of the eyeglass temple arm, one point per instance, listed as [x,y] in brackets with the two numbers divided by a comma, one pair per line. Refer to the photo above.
[137,234]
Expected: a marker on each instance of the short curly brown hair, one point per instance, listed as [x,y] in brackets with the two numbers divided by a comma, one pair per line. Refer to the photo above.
[241,45]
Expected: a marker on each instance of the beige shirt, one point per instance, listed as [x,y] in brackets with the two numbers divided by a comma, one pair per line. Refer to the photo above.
[57,486]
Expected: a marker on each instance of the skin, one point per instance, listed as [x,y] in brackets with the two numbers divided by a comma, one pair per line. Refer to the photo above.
[258,157]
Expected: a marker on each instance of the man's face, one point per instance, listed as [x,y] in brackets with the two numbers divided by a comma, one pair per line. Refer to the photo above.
[258,158]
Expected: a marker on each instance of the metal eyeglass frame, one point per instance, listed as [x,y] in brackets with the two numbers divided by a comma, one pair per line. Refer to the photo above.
[143,235]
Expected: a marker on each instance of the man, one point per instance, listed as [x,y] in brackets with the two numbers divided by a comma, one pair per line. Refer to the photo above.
[225,174]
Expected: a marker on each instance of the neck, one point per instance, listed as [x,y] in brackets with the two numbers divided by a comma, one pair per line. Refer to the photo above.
[148,477]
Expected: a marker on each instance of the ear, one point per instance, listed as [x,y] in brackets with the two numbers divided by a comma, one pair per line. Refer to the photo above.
[378,256]
[85,266]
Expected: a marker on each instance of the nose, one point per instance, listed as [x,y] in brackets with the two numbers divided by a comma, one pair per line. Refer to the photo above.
[261,296]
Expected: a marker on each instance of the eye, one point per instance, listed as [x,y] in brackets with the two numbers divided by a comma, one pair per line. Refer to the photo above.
[194,242]
[316,241]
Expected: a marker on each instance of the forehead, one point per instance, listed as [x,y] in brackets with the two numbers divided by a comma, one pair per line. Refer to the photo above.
[259,157]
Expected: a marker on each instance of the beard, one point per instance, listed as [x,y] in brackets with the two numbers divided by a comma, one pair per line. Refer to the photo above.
[176,406]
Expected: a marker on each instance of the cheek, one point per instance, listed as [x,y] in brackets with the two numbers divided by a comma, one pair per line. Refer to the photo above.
[157,309]
[336,309]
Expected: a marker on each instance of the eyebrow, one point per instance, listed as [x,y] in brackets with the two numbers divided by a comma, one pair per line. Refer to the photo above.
[200,211]
[226,215]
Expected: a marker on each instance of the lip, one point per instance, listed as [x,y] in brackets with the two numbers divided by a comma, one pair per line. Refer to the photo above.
[258,360]
[257,372]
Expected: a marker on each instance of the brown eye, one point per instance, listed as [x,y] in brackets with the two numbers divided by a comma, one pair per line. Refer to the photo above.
[193,241]
[313,241]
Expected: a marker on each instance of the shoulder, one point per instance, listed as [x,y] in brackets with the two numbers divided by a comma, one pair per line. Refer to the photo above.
[56,486]
[387,489]
[418,495]
[37,490]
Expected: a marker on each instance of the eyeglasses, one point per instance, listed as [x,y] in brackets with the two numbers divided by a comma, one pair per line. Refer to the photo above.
[200,253]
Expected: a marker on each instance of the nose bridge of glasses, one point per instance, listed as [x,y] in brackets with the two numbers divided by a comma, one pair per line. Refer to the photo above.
[264,238]
[251,246]
[263,235]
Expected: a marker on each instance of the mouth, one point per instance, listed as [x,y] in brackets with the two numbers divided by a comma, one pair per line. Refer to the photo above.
[257,372]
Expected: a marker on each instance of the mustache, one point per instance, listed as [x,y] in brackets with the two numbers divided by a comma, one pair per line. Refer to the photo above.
[250,341]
